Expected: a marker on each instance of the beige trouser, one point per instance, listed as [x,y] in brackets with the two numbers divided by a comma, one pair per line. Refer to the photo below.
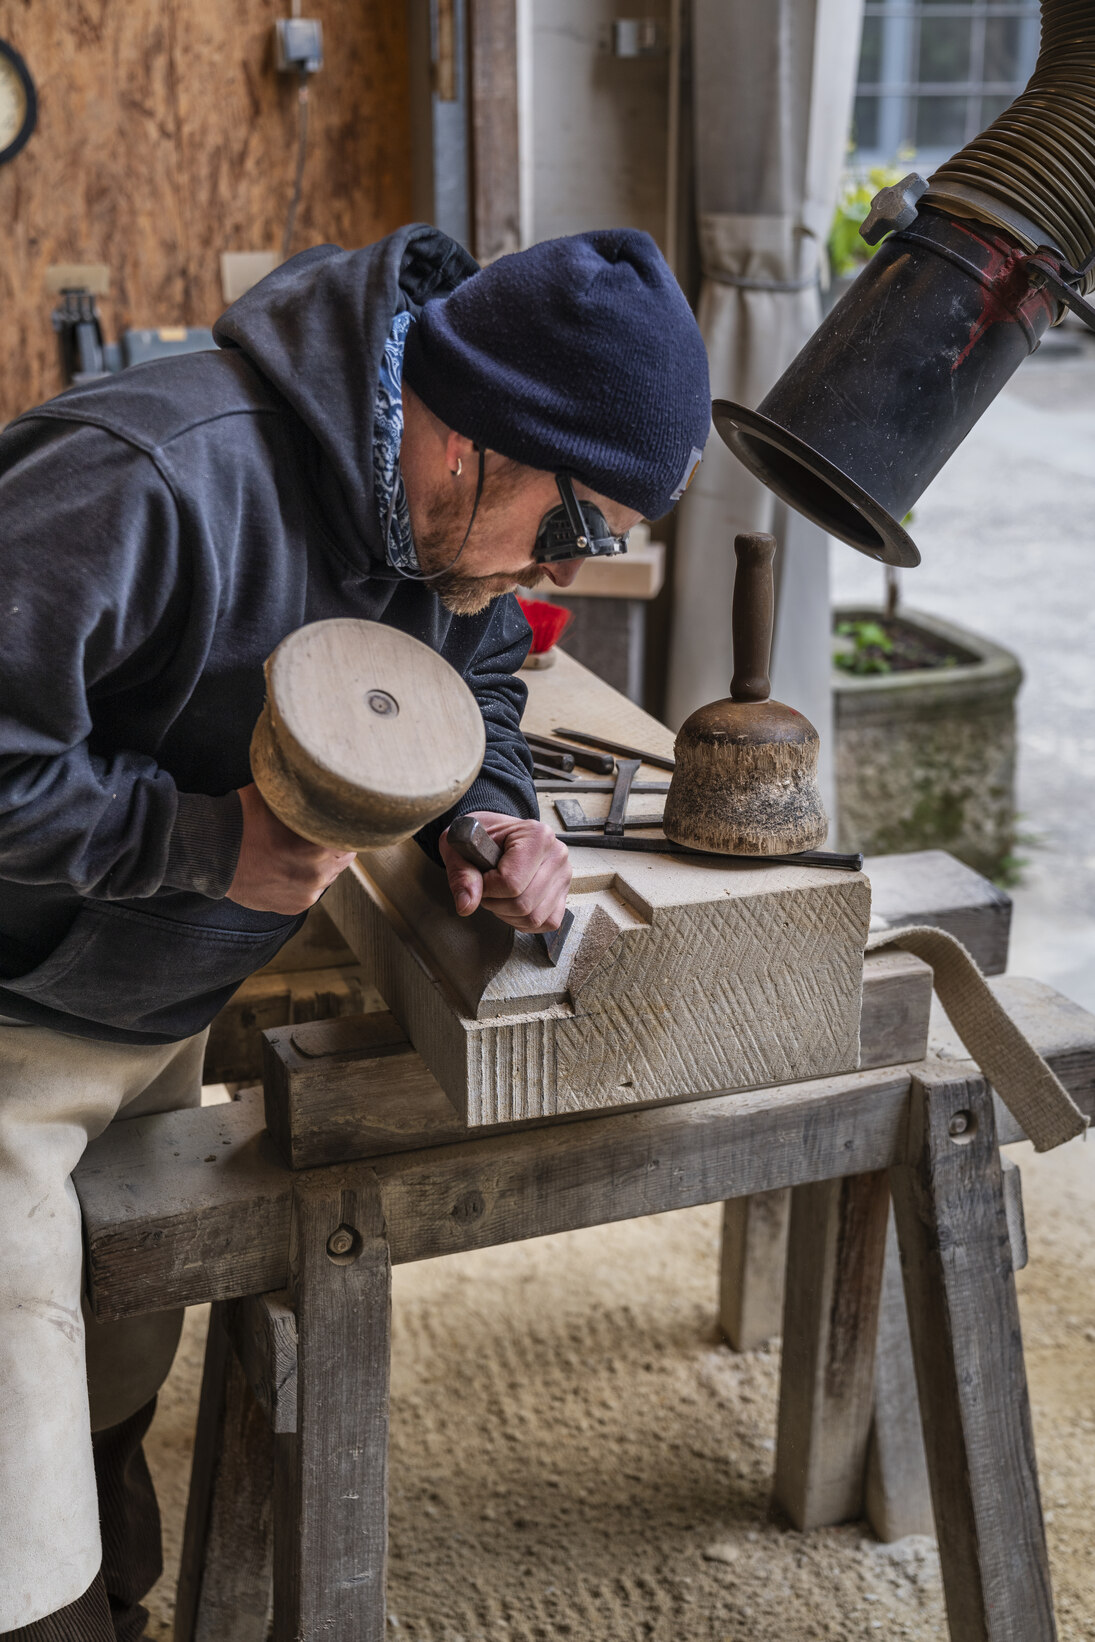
[56,1094]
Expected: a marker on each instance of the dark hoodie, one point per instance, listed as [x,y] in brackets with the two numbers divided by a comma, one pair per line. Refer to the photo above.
[160,533]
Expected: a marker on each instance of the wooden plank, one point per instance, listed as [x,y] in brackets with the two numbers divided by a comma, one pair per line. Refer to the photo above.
[277,998]
[570,694]
[1012,1182]
[165,137]
[354,1087]
[495,144]
[331,1477]
[967,1346]
[896,1009]
[263,1332]
[226,1567]
[898,1498]
[932,887]
[1062,1032]
[164,1227]
[835,1248]
[897,1493]
[198,1207]
[751,1267]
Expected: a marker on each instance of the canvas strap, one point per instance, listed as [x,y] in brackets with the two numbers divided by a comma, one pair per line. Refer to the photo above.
[1033,1094]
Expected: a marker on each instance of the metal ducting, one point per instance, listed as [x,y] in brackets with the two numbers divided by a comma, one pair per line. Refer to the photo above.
[981,260]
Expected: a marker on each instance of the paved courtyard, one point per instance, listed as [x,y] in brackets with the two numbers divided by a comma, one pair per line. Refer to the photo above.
[1007,537]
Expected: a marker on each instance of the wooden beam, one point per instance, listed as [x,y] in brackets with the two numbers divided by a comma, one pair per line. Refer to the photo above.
[835,1249]
[896,1009]
[355,1088]
[495,135]
[263,1332]
[194,1206]
[932,887]
[967,1346]
[227,1554]
[1062,1032]
[897,1495]
[331,1475]
[338,1090]
[898,1498]
[277,998]
[893,1028]
[752,1262]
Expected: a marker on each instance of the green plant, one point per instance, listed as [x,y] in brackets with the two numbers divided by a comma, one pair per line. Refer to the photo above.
[847,251]
[1012,869]
[869,651]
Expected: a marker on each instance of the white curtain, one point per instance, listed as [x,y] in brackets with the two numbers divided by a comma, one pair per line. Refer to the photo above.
[772,92]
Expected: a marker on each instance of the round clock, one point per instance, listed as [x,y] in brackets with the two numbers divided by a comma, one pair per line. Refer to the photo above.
[18,103]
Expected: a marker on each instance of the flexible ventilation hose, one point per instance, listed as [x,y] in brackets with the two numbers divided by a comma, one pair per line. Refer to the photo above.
[1037,159]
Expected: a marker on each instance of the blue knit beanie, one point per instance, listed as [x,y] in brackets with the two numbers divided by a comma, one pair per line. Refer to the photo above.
[578,355]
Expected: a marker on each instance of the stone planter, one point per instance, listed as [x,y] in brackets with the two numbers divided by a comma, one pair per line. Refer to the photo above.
[925,759]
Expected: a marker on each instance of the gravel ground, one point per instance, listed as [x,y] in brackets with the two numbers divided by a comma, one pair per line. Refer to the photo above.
[575,1454]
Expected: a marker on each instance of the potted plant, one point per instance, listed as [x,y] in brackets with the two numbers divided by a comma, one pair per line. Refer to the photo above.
[924,729]
[848,250]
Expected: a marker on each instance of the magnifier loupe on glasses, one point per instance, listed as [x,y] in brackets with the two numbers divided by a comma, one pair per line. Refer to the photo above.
[575,530]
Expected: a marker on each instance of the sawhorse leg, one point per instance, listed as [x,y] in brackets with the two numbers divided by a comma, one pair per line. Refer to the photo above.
[331,1474]
[964,1321]
[224,1576]
[835,1252]
[297,1411]
[898,1496]
[754,1254]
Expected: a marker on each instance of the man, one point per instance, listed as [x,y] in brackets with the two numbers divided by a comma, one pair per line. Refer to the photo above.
[382,435]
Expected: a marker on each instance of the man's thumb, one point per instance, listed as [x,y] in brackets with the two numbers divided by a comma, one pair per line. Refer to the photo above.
[466,883]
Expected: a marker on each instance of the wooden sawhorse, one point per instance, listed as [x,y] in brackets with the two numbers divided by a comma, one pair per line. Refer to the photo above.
[197,1206]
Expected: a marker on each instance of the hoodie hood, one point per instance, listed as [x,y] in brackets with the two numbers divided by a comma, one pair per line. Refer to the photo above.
[316,328]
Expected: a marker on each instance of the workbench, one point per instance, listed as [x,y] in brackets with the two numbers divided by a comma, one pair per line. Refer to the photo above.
[368,1147]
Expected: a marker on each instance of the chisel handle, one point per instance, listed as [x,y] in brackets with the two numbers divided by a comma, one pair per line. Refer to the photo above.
[471,839]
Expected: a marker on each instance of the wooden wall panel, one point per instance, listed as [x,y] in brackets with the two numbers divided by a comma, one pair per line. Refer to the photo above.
[165,136]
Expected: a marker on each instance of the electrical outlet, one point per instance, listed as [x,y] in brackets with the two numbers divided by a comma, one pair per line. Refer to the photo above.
[299,45]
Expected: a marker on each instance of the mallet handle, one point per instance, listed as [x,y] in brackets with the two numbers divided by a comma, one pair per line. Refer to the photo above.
[754,600]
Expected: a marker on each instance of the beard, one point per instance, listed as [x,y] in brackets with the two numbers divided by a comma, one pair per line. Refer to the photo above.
[468,595]
[437,541]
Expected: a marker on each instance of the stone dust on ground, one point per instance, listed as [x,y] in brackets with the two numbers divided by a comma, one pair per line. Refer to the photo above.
[575,1454]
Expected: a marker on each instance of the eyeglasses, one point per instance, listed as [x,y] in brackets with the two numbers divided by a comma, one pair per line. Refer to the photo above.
[576,530]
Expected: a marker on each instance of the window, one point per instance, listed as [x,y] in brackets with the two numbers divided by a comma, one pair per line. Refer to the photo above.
[933,73]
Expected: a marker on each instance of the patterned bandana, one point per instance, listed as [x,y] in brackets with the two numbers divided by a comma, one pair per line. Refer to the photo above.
[391,496]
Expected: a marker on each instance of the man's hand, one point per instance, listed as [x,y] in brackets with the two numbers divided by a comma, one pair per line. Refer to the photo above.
[528,887]
[278,871]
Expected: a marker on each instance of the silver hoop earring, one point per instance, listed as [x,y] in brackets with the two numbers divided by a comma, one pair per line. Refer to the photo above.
[459,468]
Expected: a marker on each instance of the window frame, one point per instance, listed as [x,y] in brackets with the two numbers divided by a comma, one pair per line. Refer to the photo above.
[897,89]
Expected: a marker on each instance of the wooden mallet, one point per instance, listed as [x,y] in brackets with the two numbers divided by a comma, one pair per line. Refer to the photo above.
[745,781]
[366,735]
